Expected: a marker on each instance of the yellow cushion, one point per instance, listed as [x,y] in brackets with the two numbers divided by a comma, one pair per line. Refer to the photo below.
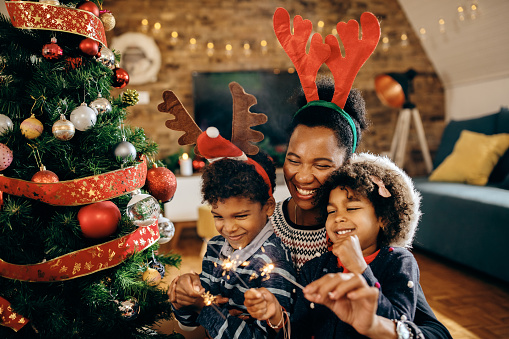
[473,158]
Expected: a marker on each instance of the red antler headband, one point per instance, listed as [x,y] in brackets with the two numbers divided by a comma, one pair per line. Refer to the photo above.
[343,68]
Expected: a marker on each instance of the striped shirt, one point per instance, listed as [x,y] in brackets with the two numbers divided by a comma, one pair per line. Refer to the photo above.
[232,284]
[304,242]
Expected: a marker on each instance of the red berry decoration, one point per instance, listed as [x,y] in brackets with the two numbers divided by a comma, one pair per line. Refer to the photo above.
[89,46]
[44,176]
[99,220]
[120,78]
[161,183]
[89,6]
[52,51]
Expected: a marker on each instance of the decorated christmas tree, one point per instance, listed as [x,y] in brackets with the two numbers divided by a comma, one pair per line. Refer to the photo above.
[80,192]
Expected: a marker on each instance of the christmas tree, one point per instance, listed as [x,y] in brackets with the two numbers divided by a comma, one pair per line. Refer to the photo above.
[78,239]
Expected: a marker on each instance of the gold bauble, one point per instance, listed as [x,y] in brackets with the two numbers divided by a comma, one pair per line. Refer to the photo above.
[108,20]
[31,128]
[151,276]
[63,129]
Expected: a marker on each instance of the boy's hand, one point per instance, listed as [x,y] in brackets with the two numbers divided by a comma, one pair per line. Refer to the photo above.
[350,253]
[186,290]
[263,305]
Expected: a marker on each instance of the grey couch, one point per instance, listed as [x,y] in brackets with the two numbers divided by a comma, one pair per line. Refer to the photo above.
[465,223]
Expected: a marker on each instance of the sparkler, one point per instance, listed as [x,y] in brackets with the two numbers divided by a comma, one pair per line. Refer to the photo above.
[209,300]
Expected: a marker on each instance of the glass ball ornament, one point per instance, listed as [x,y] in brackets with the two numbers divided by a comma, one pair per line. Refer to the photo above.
[143,209]
[5,123]
[89,6]
[166,230]
[106,57]
[101,105]
[120,77]
[83,117]
[31,128]
[130,308]
[44,176]
[89,46]
[125,150]
[151,276]
[108,20]
[161,183]
[5,157]
[52,51]
[63,129]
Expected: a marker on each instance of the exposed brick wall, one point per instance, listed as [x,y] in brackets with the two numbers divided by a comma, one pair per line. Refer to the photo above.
[240,21]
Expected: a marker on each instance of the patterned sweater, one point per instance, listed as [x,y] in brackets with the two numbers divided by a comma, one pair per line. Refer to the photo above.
[217,281]
[304,242]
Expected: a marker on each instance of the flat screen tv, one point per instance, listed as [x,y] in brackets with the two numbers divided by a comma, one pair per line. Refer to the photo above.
[213,103]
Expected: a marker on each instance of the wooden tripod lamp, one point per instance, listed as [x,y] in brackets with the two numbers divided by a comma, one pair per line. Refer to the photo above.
[393,90]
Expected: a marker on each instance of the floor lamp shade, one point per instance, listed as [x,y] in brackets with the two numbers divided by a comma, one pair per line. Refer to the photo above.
[393,89]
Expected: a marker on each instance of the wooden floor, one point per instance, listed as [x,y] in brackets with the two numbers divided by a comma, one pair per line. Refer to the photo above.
[467,304]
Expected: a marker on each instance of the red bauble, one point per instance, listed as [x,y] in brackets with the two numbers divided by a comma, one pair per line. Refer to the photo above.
[99,220]
[89,46]
[73,63]
[44,176]
[161,183]
[52,51]
[120,78]
[89,6]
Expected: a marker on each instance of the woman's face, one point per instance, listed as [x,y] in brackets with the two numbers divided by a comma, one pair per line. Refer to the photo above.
[313,154]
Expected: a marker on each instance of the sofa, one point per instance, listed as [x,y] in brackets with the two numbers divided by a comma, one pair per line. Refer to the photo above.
[466,219]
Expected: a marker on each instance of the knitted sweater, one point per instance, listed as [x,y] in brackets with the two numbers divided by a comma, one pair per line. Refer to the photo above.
[303,242]
[395,269]
[217,281]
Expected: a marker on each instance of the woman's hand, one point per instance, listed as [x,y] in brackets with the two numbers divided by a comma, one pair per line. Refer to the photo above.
[263,305]
[186,290]
[349,297]
[350,253]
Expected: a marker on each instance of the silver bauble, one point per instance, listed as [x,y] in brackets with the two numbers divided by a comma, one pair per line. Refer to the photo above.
[166,230]
[130,308]
[143,209]
[125,150]
[5,123]
[101,105]
[63,129]
[107,57]
[83,117]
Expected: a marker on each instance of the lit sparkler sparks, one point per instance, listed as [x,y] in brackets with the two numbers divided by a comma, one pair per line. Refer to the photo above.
[210,300]
[267,269]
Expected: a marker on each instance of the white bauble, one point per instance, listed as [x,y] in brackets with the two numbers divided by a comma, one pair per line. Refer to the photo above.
[83,117]
[5,123]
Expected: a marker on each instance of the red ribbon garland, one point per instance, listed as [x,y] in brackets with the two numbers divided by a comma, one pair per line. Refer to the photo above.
[36,15]
[81,191]
[86,261]
[10,318]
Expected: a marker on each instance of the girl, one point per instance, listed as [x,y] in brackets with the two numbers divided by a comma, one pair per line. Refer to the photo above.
[371,206]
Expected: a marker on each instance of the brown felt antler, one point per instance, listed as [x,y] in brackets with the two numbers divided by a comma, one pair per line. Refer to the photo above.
[182,122]
[357,51]
[242,134]
[307,65]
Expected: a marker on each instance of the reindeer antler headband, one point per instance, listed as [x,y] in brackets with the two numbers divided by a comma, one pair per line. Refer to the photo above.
[210,144]
[343,68]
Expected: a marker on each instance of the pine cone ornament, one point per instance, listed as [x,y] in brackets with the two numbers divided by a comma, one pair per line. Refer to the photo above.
[130,97]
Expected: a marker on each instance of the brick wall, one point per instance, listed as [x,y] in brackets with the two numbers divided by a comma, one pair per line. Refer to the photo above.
[240,21]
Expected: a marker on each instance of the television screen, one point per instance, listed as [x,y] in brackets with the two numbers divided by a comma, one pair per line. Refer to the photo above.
[213,103]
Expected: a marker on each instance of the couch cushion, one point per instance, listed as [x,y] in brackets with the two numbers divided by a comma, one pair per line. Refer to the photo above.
[501,170]
[473,158]
[484,125]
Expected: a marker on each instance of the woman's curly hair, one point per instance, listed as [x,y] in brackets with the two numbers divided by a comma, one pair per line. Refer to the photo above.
[227,178]
[400,212]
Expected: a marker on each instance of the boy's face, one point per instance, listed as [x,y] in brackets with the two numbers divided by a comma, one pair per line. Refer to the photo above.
[349,215]
[240,220]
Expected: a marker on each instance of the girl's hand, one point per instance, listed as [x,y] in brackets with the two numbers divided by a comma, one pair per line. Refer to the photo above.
[349,252]
[263,305]
[186,290]
[349,297]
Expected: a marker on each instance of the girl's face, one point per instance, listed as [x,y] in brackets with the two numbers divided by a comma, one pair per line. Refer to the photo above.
[313,154]
[240,220]
[349,214]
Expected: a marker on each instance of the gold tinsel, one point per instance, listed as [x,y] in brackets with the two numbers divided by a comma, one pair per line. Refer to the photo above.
[130,97]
